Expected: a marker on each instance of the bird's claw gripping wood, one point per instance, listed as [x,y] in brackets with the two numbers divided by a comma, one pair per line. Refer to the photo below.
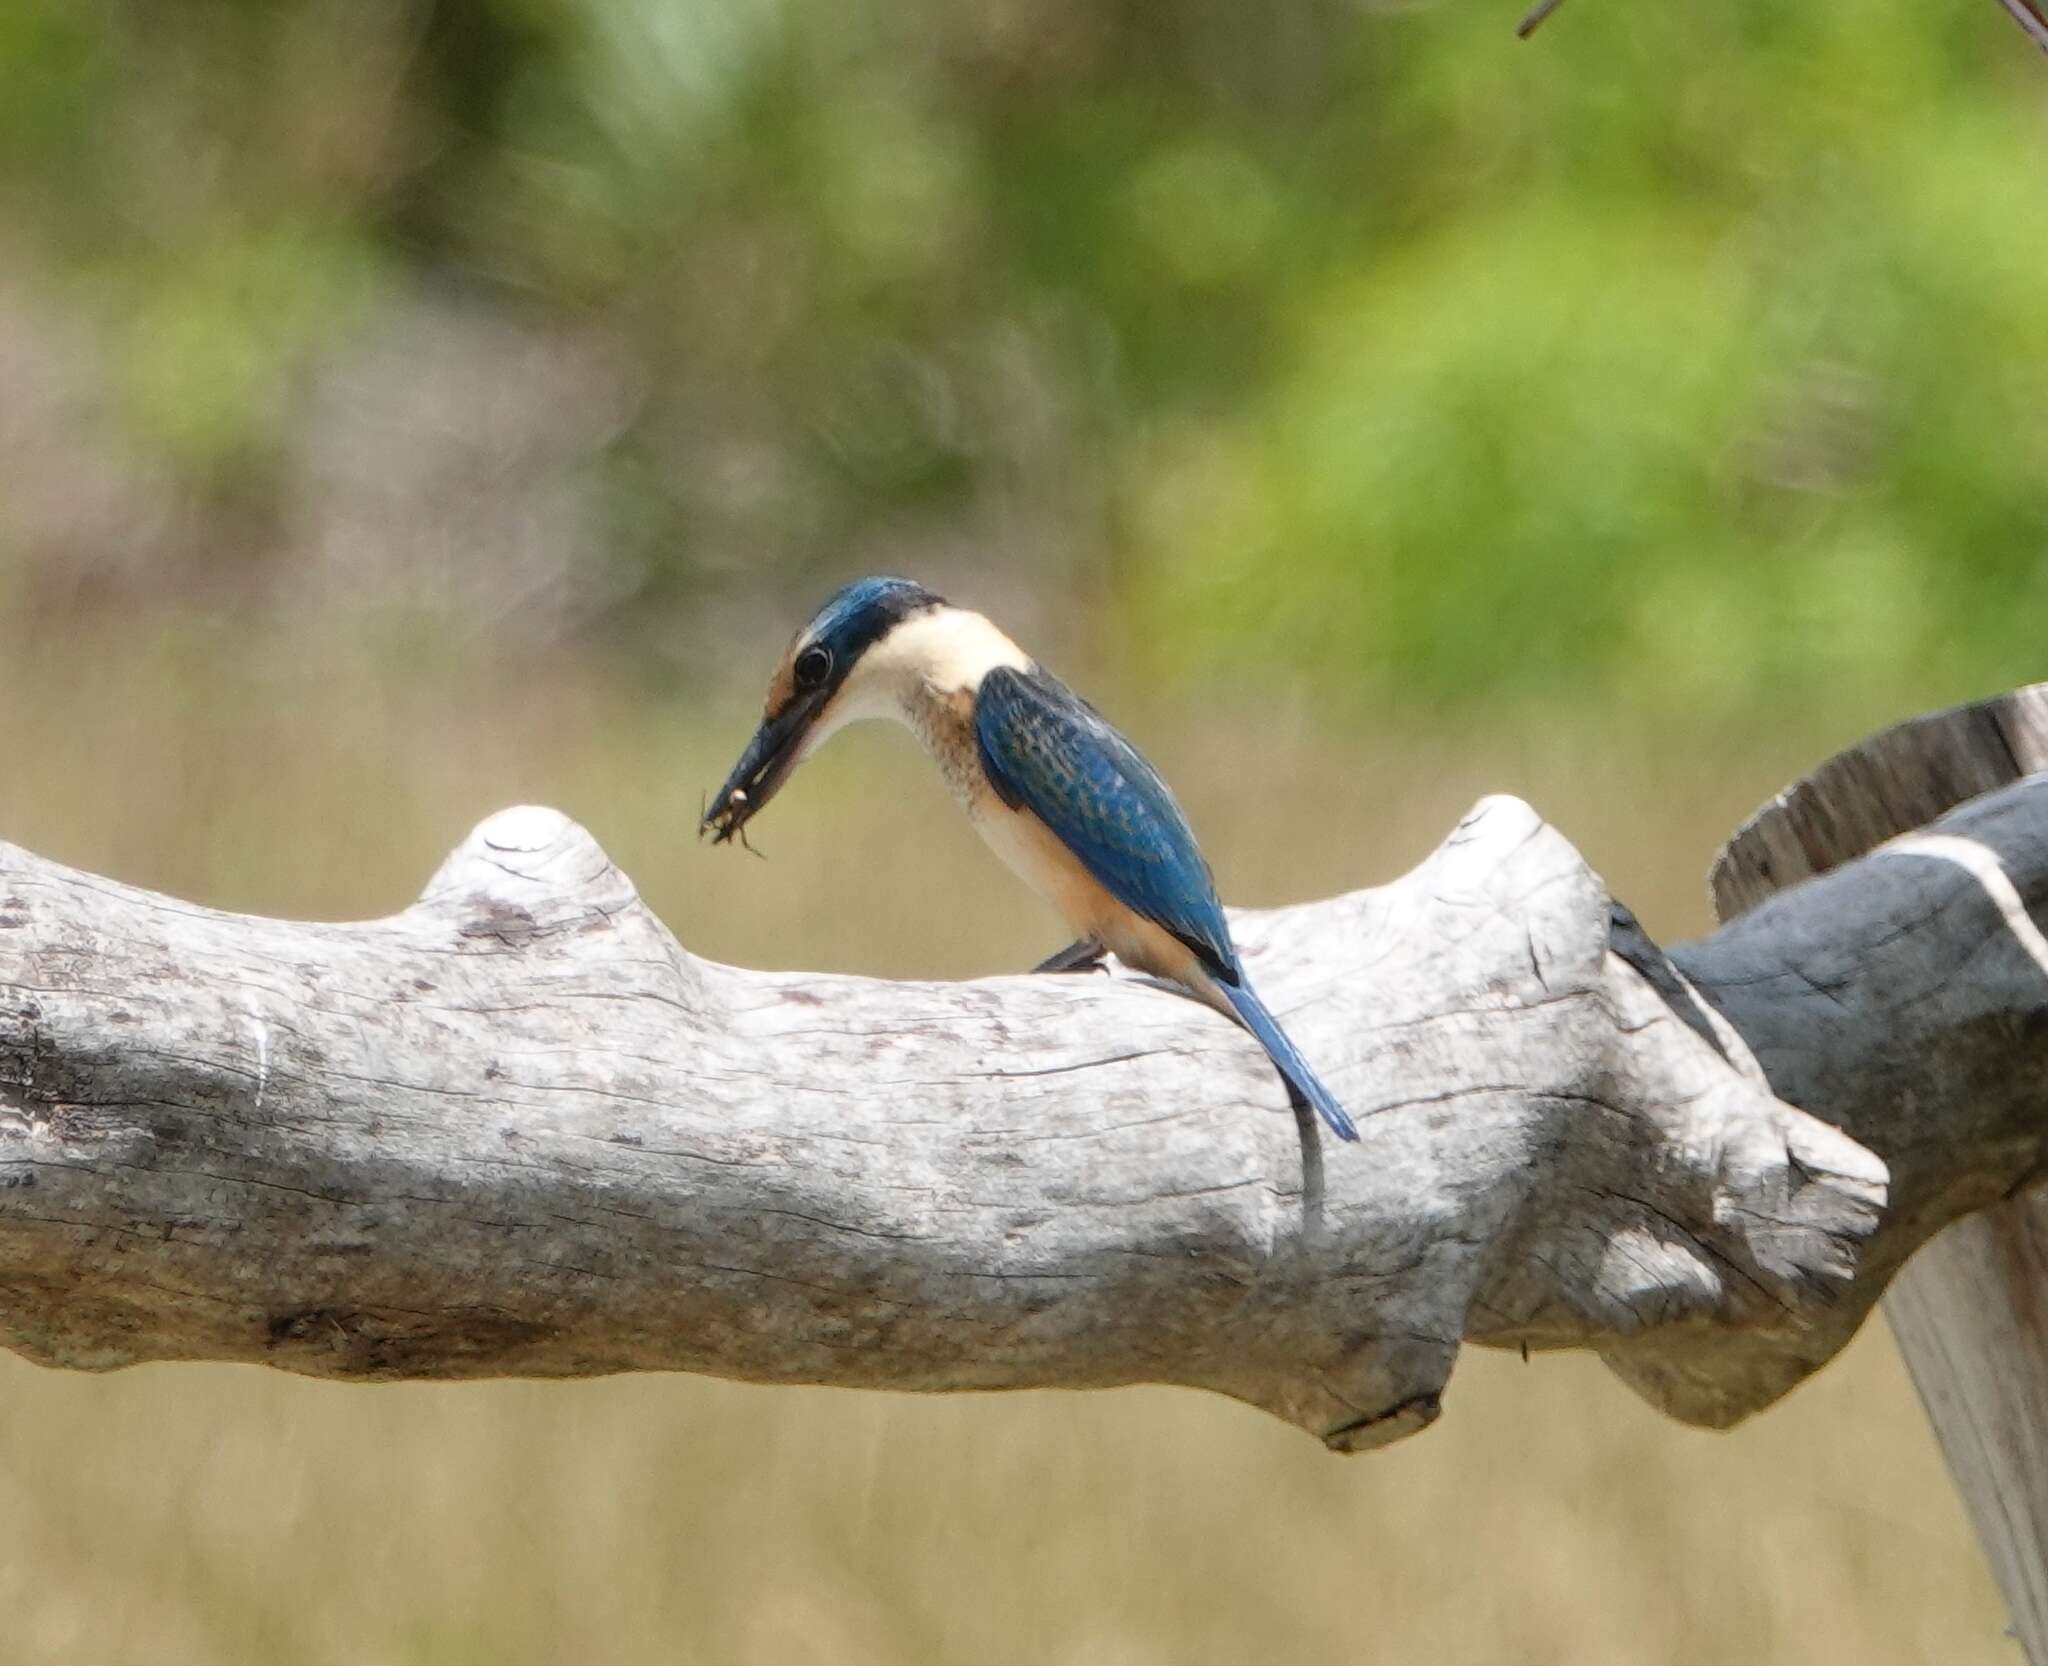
[1086,955]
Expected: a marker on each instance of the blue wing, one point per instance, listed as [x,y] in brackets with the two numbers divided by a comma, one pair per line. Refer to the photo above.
[1050,752]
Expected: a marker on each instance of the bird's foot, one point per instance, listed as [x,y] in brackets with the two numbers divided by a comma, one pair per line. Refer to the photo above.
[1087,955]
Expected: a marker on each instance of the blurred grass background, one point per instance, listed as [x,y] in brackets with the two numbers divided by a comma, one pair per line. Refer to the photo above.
[408,407]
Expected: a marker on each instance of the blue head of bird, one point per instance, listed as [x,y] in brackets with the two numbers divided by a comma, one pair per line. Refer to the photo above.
[814,690]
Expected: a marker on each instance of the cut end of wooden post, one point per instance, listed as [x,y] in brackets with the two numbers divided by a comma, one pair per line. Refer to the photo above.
[1904,778]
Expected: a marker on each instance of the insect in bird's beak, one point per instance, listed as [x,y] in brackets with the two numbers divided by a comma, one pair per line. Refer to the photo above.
[732,825]
[763,767]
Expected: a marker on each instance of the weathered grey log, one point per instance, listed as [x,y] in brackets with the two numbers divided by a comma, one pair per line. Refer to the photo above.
[517,1129]
[1971,1310]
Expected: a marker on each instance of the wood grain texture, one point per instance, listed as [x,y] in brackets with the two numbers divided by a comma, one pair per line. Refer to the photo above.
[517,1129]
[1971,1311]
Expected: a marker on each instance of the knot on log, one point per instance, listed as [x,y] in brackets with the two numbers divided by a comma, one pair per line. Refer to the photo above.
[535,858]
[530,874]
[1522,1059]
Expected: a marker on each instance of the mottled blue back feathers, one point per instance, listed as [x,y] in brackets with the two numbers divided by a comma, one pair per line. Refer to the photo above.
[1048,751]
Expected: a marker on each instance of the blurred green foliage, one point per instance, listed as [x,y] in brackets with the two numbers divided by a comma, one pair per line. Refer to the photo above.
[1683,359]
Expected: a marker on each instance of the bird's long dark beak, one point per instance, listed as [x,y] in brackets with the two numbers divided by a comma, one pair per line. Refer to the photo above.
[762,768]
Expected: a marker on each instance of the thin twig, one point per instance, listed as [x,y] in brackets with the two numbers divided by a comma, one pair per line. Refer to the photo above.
[2029,17]
[2026,13]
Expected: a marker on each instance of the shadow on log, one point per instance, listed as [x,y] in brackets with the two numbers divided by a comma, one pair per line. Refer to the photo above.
[518,1130]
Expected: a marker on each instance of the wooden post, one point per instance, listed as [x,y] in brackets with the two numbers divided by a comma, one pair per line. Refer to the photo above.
[1970,1310]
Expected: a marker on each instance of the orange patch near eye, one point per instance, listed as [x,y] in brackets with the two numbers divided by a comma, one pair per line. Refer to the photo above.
[782,686]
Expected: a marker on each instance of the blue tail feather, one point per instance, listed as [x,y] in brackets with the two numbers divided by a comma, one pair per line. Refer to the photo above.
[1303,1084]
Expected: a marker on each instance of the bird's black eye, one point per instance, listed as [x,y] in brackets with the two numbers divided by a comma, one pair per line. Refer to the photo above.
[813,666]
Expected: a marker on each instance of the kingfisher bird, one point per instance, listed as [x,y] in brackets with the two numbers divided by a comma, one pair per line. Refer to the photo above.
[1066,801]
